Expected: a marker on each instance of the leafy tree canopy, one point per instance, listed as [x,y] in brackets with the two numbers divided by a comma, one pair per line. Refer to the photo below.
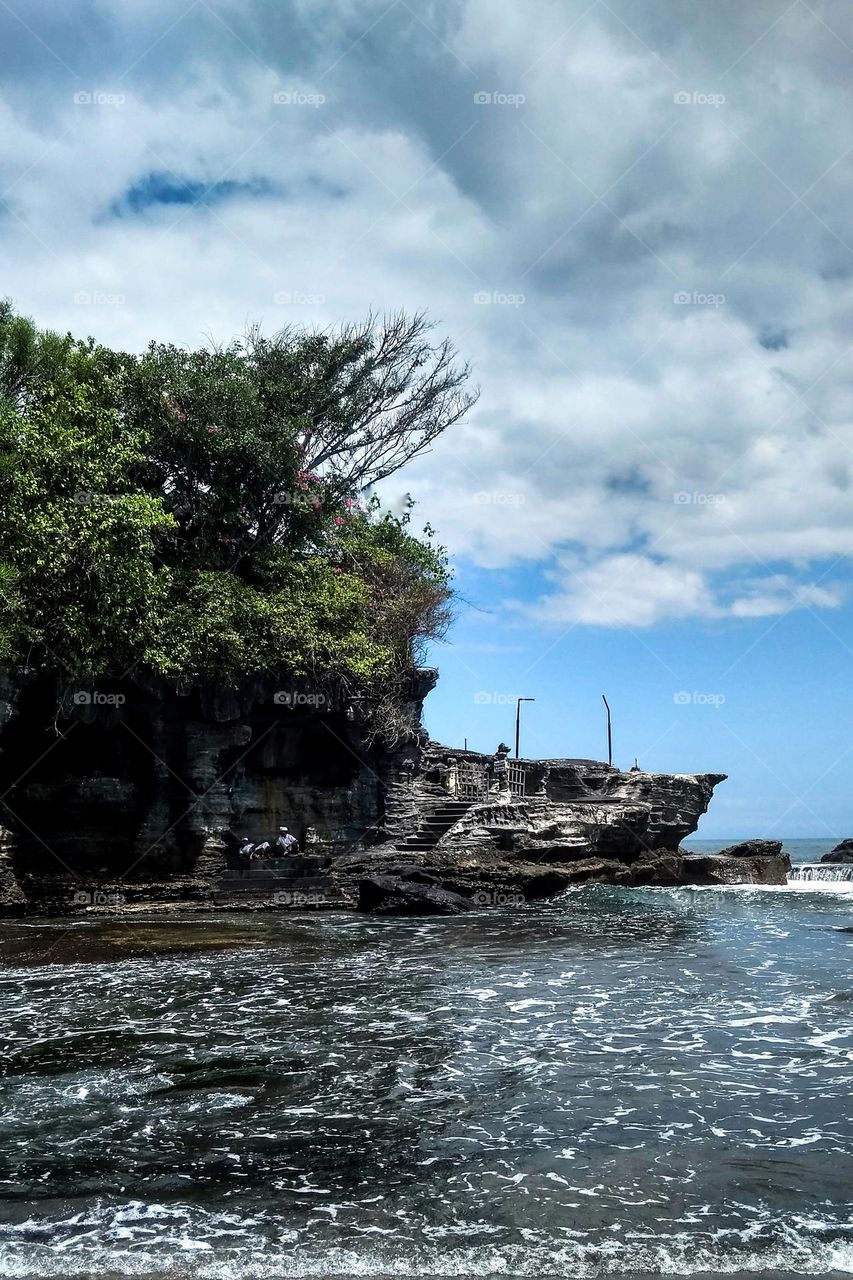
[208,513]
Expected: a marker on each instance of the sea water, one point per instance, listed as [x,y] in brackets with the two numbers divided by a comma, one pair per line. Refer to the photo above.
[619,1082]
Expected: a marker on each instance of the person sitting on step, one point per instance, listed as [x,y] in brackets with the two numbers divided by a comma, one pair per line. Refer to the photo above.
[284,844]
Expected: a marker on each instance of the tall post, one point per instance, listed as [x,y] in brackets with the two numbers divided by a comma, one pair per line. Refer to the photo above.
[609,732]
[518,703]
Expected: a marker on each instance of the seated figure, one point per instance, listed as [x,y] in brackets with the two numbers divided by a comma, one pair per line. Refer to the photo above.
[284,843]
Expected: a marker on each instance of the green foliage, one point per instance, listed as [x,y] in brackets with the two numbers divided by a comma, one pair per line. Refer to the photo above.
[172,512]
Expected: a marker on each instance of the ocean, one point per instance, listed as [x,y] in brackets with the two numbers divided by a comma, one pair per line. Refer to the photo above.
[616,1083]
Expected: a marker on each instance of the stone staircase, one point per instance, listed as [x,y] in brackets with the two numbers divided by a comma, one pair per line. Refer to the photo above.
[300,881]
[437,822]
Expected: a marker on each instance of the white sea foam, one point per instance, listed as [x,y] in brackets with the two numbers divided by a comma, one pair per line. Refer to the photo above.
[679,1255]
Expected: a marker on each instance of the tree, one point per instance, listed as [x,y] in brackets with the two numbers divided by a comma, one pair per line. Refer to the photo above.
[83,584]
[366,399]
[197,513]
[257,442]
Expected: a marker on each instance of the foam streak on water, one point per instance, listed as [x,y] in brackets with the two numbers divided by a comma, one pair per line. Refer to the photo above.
[621,1082]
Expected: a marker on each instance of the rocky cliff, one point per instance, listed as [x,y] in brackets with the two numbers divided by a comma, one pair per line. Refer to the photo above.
[132,794]
[132,787]
[558,824]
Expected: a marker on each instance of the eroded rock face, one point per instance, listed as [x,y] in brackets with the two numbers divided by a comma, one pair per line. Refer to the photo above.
[631,814]
[132,787]
[134,795]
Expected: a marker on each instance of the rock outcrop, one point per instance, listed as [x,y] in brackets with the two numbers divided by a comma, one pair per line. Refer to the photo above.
[752,849]
[709,868]
[843,852]
[130,796]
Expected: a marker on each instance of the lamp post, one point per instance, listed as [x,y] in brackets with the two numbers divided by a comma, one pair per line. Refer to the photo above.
[518,703]
[609,732]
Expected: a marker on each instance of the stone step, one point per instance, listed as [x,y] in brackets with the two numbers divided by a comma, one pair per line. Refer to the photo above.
[249,881]
[434,824]
[285,899]
[300,864]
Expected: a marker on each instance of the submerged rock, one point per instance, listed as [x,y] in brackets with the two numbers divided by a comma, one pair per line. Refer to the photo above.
[391,896]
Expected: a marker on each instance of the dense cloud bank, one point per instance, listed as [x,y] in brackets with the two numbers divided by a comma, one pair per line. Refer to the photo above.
[632,215]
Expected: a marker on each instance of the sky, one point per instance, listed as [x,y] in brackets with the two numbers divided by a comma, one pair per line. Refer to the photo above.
[633,217]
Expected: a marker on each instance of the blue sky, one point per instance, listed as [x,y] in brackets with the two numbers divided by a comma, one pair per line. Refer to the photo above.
[633,217]
[767,701]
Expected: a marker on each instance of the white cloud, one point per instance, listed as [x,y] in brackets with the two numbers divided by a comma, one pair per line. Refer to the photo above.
[623,591]
[605,400]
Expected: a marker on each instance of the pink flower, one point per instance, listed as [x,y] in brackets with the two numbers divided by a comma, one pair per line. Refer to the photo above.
[339,521]
[349,502]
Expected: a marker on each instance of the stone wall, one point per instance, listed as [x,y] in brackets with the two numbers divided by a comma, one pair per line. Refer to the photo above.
[133,780]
